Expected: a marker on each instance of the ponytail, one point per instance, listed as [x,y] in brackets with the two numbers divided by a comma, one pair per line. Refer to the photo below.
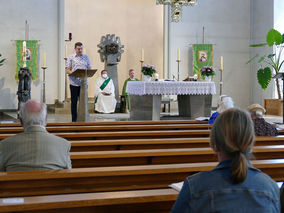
[239,167]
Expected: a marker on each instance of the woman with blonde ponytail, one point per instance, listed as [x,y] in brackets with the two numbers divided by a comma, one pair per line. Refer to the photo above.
[234,185]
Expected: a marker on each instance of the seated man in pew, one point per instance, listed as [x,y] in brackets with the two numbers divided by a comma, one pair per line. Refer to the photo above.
[234,185]
[35,148]
[105,101]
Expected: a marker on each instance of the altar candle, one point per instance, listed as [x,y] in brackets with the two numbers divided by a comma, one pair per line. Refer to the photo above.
[221,63]
[84,51]
[44,59]
[178,54]
[24,53]
[65,50]
[142,54]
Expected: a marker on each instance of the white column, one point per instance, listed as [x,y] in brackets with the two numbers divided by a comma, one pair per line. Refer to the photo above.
[166,42]
[61,43]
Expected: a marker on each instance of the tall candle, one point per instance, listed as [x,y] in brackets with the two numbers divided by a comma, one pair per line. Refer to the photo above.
[84,51]
[24,53]
[221,63]
[44,59]
[65,50]
[178,54]
[142,54]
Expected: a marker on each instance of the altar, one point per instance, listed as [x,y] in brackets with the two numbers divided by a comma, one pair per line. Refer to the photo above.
[194,98]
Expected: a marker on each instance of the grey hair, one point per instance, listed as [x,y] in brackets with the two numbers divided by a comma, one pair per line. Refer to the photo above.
[29,118]
[225,102]
[131,70]
[258,113]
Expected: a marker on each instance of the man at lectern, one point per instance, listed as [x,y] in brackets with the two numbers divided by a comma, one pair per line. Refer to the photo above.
[78,60]
[104,94]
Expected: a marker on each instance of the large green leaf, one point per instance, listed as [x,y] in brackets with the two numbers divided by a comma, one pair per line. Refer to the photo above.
[262,58]
[264,77]
[274,37]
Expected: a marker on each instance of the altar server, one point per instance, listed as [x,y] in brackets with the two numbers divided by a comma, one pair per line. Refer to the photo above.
[104,94]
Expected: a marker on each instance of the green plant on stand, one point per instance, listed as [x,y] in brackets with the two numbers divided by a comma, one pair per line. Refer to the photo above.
[273,60]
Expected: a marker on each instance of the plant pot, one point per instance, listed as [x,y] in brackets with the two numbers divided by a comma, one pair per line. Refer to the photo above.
[207,78]
[273,106]
[147,78]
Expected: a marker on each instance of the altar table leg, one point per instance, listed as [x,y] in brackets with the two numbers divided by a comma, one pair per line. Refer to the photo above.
[145,107]
[194,106]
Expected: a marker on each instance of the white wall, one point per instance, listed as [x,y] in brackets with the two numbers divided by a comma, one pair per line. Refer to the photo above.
[227,24]
[42,17]
[261,22]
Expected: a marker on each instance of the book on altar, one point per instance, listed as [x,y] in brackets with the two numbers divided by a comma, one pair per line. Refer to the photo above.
[177,186]
[202,118]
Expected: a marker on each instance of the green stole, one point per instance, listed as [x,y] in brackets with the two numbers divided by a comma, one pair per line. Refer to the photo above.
[103,86]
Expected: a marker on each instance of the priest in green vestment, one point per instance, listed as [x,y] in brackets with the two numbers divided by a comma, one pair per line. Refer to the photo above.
[131,78]
[104,94]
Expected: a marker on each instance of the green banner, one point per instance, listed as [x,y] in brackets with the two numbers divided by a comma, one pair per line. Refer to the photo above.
[31,57]
[202,56]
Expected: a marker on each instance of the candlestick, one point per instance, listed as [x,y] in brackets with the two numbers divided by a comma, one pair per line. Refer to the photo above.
[221,63]
[65,51]
[178,54]
[44,59]
[142,55]
[43,84]
[178,61]
[66,76]
[141,69]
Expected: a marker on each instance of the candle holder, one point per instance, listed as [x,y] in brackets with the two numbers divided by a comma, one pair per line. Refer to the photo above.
[141,69]
[178,61]
[221,80]
[65,97]
[43,85]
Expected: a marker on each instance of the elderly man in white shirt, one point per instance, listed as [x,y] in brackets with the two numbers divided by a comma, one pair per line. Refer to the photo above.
[104,94]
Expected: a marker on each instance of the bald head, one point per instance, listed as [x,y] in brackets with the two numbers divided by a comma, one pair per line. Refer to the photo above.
[33,113]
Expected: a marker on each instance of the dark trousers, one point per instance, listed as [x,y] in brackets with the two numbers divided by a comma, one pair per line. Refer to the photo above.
[75,94]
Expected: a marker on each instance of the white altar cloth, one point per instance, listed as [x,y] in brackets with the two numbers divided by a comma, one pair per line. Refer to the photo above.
[170,88]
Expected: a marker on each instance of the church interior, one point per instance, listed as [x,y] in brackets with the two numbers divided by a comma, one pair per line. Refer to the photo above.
[134,137]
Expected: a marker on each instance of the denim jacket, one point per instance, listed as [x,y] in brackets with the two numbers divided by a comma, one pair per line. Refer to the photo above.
[214,191]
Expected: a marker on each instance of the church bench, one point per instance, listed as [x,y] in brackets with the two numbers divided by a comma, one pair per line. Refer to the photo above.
[161,156]
[108,128]
[128,134]
[102,179]
[107,123]
[158,143]
[156,200]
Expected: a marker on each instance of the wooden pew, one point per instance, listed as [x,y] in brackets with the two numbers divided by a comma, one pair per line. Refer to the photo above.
[161,156]
[128,134]
[140,201]
[158,143]
[109,128]
[107,123]
[102,179]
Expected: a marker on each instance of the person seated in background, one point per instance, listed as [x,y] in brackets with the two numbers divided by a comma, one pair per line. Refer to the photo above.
[131,78]
[224,102]
[35,148]
[261,127]
[104,94]
[234,185]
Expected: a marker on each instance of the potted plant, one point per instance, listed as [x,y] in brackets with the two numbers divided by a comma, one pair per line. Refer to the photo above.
[1,60]
[275,61]
[207,73]
[148,71]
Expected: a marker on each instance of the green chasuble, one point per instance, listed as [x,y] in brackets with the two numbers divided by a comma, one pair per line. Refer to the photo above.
[124,90]
[103,86]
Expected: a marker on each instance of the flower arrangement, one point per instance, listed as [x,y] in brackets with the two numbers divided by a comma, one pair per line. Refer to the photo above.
[148,70]
[207,71]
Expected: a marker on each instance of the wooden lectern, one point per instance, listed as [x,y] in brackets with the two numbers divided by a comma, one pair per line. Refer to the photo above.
[83,114]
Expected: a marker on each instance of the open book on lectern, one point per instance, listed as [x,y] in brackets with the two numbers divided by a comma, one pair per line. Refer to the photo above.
[83,72]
